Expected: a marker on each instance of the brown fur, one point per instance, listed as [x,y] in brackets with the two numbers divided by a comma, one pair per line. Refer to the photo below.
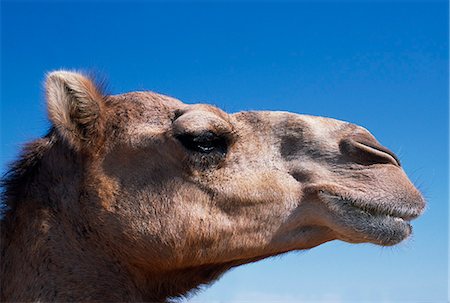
[119,202]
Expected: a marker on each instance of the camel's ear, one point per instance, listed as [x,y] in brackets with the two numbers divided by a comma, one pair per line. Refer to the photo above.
[75,107]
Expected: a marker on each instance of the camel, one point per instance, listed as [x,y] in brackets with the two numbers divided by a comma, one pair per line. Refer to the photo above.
[140,197]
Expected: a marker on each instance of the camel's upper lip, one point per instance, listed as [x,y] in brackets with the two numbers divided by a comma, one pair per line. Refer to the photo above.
[377,209]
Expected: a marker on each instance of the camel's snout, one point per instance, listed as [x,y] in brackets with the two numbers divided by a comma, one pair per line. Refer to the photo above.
[363,148]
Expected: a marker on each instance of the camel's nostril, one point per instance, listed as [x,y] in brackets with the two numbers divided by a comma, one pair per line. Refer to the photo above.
[367,152]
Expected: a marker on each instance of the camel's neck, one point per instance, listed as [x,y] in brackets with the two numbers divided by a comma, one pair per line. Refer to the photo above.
[49,260]
[51,252]
[68,264]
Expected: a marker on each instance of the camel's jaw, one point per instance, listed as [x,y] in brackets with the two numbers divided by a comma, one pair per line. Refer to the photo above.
[379,223]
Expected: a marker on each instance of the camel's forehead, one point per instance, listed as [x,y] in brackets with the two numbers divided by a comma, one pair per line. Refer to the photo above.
[154,103]
[147,100]
[149,112]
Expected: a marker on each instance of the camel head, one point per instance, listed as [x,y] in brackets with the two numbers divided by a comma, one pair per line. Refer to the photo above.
[172,186]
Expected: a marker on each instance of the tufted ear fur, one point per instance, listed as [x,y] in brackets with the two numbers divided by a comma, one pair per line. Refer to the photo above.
[75,107]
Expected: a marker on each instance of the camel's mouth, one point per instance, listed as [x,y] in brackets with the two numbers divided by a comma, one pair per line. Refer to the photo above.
[362,221]
[377,209]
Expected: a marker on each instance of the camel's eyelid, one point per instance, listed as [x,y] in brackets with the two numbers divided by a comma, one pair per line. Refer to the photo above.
[204,142]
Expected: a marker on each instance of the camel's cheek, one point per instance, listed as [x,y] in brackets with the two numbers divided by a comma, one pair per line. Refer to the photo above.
[268,187]
[242,216]
[220,217]
[200,224]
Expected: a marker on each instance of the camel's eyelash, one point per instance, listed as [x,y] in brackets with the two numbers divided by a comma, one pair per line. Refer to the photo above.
[205,143]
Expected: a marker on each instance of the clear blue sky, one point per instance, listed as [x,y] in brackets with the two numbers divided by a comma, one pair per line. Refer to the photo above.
[383,65]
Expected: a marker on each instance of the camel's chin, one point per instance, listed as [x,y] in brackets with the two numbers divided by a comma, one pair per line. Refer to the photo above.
[397,230]
[380,230]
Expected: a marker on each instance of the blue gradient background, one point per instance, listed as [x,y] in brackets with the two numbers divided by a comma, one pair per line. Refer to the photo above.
[383,65]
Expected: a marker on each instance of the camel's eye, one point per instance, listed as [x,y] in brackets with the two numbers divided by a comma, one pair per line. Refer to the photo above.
[205,143]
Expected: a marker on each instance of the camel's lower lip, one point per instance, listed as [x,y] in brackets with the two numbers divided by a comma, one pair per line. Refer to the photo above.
[368,223]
